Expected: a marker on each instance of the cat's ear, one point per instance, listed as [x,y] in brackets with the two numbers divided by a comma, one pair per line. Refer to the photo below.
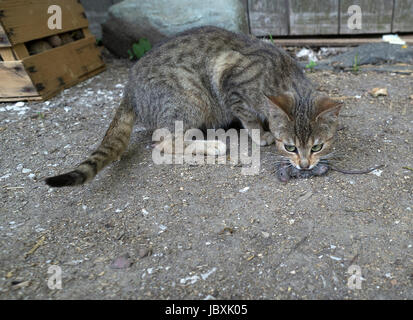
[326,108]
[283,103]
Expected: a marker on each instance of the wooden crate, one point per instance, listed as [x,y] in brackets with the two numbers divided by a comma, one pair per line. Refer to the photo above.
[26,76]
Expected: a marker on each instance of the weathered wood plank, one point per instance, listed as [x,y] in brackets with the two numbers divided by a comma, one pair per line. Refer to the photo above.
[268,17]
[4,40]
[376,16]
[309,17]
[20,51]
[403,16]
[62,67]
[25,20]
[334,42]
[28,98]
[16,81]
[87,33]
[7,54]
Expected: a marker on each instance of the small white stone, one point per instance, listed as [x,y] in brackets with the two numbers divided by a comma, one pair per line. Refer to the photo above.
[244,189]
[5,176]
[192,279]
[377,172]
[335,258]
[265,234]
[39,229]
[205,275]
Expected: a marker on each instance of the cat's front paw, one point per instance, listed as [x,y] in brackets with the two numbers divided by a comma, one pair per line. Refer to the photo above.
[216,148]
[266,139]
[207,148]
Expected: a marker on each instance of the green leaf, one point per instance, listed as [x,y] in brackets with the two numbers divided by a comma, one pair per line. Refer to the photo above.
[145,44]
[138,50]
[312,64]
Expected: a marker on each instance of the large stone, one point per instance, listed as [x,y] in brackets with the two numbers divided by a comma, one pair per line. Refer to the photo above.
[130,20]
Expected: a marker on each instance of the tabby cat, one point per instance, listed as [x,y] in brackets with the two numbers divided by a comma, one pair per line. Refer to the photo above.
[207,77]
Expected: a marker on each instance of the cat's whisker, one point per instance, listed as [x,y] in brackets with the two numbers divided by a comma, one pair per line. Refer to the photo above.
[282,161]
[277,156]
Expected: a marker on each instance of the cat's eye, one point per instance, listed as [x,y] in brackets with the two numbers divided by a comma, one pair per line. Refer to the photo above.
[317,147]
[290,148]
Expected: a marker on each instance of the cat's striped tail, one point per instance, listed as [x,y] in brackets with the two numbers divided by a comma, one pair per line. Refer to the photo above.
[113,145]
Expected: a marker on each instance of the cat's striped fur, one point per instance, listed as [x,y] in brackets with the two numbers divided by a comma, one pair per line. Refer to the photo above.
[207,77]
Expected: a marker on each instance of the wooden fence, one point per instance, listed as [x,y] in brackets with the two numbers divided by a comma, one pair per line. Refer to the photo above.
[328,17]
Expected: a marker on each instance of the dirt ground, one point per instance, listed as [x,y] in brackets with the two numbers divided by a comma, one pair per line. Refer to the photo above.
[188,231]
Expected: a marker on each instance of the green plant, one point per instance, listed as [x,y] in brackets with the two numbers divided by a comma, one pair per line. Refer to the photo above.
[272,40]
[311,65]
[139,49]
[355,64]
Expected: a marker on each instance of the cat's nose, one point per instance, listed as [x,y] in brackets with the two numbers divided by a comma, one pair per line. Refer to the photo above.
[304,164]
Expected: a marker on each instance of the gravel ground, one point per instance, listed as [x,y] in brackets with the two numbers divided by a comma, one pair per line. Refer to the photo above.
[187,232]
